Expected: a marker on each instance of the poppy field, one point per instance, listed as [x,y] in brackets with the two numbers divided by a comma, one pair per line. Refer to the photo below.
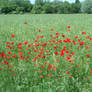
[46,53]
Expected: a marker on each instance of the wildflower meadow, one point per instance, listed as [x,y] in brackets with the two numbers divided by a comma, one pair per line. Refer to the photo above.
[46,53]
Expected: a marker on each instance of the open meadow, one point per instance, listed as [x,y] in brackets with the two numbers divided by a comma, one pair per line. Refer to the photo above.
[46,53]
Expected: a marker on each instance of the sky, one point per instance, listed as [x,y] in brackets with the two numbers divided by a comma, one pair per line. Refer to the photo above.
[32,1]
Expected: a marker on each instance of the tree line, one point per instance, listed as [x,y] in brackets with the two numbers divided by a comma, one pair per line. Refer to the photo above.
[45,7]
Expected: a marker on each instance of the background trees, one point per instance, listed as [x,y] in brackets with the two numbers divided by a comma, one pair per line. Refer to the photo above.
[87,6]
[15,6]
[44,6]
[76,7]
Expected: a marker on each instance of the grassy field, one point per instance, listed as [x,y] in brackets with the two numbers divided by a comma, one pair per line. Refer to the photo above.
[46,53]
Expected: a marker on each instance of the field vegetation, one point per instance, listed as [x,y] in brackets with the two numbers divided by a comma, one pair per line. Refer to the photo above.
[46,53]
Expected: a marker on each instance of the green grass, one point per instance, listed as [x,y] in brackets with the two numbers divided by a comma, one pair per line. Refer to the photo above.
[72,75]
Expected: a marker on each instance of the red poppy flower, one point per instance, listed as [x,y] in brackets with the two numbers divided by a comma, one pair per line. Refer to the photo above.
[40,71]
[13,74]
[60,41]
[68,40]
[47,51]
[12,36]
[50,65]
[74,43]
[62,53]
[50,74]
[35,64]
[90,38]
[54,41]
[67,72]
[41,76]
[28,57]
[47,75]
[54,37]
[84,33]
[56,33]
[20,43]
[57,36]
[12,43]
[25,42]
[79,40]
[69,30]
[68,26]
[52,29]
[34,59]
[68,58]
[82,43]
[14,56]
[42,66]
[8,57]
[7,42]
[11,48]
[25,22]
[54,47]
[39,30]
[88,78]
[73,53]
[77,65]
[10,65]
[45,63]
[57,60]
[67,51]
[0,55]
[6,62]
[44,44]
[90,70]
[41,49]
[64,41]
[11,71]
[56,53]
[29,45]
[19,47]
[9,52]
[88,56]
[76,37]
[41,36]
[87,46]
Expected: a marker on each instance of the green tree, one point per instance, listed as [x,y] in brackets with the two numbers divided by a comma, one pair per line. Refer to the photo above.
[76,7]
[87,6]
[56,4]
[22,6]
[37,9]
[67,7]
[77,1]
[39,2]
[4,6]
[47,8]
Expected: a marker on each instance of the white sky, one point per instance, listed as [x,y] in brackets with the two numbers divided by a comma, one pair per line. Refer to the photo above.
[32,1]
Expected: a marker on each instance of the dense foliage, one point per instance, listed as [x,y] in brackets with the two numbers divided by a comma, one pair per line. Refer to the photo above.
[87,6]
[44,7]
